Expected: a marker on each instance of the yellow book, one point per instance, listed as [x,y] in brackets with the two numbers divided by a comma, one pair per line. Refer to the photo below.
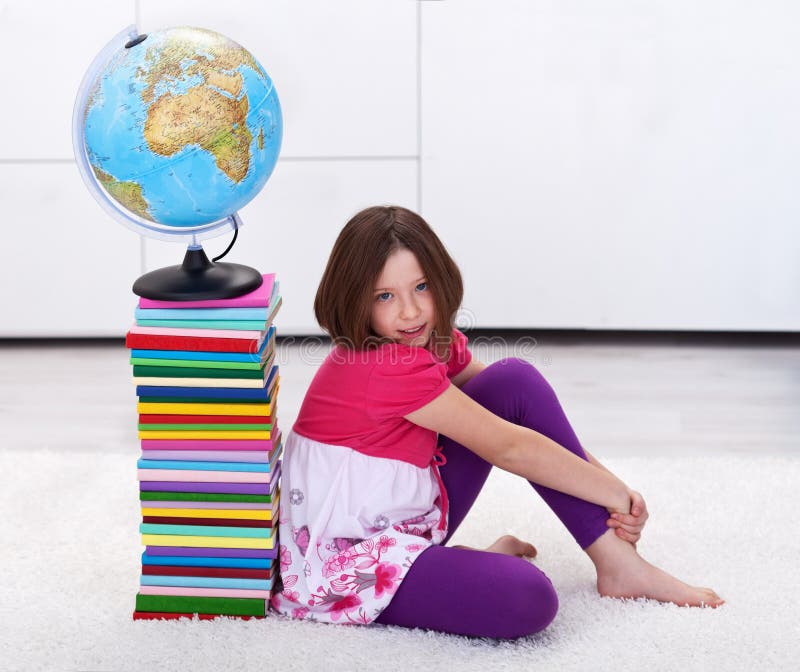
[190,434]
[239,514]
[204,409]
[207,542]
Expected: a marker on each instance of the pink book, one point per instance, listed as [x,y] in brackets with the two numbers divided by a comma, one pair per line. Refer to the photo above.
[258,298]
[212,444]
[203,592]
[199,476]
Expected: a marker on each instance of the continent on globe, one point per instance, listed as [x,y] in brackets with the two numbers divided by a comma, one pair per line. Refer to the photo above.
[218,125]
[127,193]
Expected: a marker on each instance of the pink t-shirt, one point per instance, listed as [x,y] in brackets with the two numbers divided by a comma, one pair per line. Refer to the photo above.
[358,399]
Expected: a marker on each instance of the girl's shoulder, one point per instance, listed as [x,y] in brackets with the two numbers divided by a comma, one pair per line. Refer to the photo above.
[394,359]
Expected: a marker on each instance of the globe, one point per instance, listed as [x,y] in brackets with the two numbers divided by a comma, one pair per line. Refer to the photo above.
[174,132]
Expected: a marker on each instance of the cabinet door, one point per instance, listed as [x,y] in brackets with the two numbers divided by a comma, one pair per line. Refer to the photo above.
[45,50]
[623,166]
[68,267]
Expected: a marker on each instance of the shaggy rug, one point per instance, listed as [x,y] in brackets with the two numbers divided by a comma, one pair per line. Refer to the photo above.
[71,569]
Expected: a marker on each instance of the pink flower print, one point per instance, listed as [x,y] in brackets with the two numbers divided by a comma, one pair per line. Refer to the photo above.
[384,543]
[300,612]
[301,538]
[342,606]
[387,578]
[413,548]
[338,562]
[286,558]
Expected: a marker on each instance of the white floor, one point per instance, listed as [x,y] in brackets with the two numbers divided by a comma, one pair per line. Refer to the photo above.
[631,396]
[708,432]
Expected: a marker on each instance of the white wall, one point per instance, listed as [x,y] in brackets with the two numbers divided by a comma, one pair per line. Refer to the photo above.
[616,165]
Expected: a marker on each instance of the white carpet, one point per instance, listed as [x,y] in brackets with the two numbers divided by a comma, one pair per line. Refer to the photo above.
[71,568]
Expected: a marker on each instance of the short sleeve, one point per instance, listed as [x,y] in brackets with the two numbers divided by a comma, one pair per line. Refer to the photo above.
[403,380]
[460,356]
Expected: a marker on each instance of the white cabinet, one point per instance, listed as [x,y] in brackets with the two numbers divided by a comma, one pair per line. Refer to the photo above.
[589,165]
[44,53]
[616,166]
[67,270]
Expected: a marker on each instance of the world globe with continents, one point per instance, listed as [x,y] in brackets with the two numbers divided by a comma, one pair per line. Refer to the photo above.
[182,127]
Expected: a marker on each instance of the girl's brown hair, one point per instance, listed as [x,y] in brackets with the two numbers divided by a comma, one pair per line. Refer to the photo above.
[343,305]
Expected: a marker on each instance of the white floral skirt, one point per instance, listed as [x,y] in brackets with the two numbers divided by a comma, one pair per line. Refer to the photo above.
[350,528]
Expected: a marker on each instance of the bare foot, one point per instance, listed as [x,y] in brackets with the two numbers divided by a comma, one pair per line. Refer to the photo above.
[508,544]
[622,572]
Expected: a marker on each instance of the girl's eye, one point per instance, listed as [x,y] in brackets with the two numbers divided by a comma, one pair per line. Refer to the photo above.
[381,298]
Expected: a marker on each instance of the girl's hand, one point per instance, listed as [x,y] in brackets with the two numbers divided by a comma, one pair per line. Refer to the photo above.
[629,527]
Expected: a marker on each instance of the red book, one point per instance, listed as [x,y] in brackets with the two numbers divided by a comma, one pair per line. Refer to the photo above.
[218,522]
[192,343]
[164,615]
[152,419]
[223,572]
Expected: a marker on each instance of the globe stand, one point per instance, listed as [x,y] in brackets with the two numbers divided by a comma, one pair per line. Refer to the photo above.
[197,279]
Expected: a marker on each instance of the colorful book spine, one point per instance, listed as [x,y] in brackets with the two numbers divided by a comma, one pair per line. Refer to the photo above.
[211,444]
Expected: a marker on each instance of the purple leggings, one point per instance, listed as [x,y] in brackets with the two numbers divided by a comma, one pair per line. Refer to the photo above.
[482,594]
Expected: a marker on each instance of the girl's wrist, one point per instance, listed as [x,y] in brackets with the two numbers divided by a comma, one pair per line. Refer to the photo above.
[623,503]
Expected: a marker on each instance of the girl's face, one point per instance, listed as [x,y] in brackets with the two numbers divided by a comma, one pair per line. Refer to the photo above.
[402,301]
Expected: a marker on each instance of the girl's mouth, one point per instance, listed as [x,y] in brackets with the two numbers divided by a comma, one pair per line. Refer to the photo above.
[413,332]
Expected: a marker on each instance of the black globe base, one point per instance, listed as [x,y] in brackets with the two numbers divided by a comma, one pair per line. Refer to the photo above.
[197,279]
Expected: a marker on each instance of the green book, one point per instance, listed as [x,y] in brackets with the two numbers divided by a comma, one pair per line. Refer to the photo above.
[184,604]
[207,531]
[184,372]
[174,427]
[197,363]
[151,496]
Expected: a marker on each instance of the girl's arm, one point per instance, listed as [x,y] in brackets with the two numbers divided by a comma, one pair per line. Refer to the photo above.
[520,450]
[474,367]
[594,461]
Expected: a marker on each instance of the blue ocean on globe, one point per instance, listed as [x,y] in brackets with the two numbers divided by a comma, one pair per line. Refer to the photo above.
[184,128]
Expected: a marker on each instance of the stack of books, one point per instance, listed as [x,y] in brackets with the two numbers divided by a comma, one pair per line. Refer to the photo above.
[207,383]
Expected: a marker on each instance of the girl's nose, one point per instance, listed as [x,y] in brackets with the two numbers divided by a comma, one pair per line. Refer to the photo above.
[409,310]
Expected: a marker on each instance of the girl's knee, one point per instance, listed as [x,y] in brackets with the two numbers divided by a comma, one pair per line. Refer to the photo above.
[532,602]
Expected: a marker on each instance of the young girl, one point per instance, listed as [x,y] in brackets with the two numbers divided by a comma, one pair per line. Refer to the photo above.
[394,440]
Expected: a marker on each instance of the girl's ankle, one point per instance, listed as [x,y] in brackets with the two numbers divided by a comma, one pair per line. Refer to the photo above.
[608,552]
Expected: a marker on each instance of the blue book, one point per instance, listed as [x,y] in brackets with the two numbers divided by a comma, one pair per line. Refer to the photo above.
[203,466]
[197,561]
[252,393]
[201,313]
[204,582]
